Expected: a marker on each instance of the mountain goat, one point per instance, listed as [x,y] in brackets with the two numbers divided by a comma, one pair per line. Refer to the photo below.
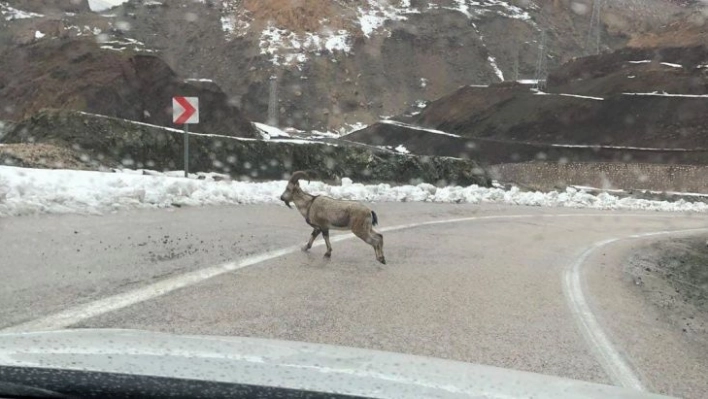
[324,213]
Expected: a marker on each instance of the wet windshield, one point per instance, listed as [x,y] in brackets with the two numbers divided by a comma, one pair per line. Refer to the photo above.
[509,183]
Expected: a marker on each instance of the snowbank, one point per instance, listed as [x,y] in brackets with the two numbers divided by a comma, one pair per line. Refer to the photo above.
[31,191]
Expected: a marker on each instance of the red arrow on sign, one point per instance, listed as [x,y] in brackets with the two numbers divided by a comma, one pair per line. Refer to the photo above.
[189,110]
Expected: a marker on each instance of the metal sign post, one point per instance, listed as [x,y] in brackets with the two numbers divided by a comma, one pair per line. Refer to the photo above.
[186,150]
[185,110]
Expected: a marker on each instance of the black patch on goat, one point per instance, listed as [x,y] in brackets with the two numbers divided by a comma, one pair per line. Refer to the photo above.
[341,221]
[374,219]
[307,217]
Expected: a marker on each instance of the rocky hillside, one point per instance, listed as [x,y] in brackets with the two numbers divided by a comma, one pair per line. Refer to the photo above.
[334,63]
[638,105]
[82,75]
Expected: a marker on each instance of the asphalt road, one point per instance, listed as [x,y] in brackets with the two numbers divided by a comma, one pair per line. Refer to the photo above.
[533,289]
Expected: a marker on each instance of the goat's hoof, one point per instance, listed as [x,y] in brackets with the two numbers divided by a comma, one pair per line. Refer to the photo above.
[305,248]
[327,255]
[382,260]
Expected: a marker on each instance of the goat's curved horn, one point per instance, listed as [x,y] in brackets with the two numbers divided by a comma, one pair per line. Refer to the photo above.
[297,176]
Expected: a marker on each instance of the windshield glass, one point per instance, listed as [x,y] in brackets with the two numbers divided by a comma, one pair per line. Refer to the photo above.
[508,183]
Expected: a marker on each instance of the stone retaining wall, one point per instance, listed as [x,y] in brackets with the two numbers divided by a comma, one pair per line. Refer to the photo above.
[548,175]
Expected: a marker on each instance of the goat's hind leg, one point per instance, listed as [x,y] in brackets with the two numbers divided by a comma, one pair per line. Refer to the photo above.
[378,247]
[325,235]
[375,240]
[313,236]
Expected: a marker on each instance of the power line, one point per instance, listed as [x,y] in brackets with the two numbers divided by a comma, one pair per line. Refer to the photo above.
[273,102]
[516,62]
[541,64]
[592,42]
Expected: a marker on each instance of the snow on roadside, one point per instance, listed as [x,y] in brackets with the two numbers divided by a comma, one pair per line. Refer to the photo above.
[32,191]
[620,191]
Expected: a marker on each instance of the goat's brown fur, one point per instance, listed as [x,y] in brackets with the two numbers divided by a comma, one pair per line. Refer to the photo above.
[325,213]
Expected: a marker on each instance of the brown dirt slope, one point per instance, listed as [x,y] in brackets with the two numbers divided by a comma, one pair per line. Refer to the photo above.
[641,121]
[687,29]
[512,123]
[494,151]
[619,72]
[77,74]
[514,112]
[49,156]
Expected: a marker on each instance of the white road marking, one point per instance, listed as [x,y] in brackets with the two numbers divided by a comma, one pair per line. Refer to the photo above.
[608,356]
[611,360]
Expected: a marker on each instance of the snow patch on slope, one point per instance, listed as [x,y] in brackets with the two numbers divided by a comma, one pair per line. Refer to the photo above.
[122,43]
[495,67]
[374,16]
[10,14]
[289,48]
[478,8]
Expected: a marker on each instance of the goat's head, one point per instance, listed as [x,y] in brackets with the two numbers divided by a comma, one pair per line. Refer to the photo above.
[293,187]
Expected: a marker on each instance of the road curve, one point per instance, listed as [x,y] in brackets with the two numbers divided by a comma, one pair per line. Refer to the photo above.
[533,289]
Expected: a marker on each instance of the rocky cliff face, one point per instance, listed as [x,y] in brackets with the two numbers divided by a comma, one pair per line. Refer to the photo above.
[331,64]
[78,74]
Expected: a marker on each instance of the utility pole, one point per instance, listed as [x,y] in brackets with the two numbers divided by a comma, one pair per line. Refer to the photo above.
[516,62]
[273,102]
[541,67]
[592,42]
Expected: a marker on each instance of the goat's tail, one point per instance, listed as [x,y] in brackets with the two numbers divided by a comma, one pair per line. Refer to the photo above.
[374,219]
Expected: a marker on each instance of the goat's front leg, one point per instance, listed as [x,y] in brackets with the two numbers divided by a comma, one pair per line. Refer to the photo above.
[325,234]
[313,236]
